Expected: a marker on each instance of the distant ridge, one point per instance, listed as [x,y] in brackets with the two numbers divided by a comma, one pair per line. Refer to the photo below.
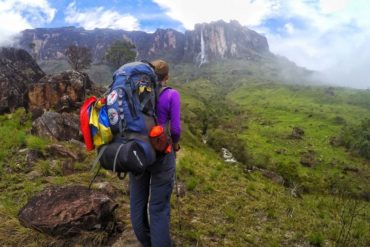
[206,43]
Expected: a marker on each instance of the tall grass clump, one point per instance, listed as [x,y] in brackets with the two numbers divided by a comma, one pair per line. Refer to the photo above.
[356,138]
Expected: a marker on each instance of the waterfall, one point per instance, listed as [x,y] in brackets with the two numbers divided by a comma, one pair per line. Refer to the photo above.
[202,50]
[201,57]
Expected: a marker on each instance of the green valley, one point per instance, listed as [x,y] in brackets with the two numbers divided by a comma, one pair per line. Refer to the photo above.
[302,177]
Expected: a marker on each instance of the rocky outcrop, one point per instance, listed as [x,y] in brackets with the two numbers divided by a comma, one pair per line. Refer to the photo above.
[61,91]
[207,42]
[57,126]
[17,71]
[68,210]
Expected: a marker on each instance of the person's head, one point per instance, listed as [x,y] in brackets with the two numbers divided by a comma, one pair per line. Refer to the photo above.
[161,69]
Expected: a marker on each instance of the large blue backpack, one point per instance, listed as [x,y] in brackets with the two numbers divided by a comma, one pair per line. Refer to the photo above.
[131,104]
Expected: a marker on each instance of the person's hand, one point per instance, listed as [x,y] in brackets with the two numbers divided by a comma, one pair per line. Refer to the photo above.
[176,147]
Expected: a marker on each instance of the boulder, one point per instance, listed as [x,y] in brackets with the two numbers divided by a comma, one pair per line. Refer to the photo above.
[17,71]
[32,175]
[56,150]
[58,126]
[68,210]
[273,176]
[60,91]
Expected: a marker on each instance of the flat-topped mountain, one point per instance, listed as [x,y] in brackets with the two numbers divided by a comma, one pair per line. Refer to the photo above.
[207,42]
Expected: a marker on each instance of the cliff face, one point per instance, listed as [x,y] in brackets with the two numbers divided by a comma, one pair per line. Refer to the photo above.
[205,43]
[219,40]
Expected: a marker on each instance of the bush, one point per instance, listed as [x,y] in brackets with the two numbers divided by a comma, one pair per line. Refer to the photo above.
[316,239]
[356,138]
[225,139]
[191,183]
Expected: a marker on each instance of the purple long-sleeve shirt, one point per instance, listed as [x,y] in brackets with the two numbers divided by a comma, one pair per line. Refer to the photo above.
[168,111]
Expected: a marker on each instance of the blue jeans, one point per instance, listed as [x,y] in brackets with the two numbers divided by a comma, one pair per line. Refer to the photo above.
[151,193]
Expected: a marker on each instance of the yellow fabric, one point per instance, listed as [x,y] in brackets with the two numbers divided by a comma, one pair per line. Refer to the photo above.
[144,88]
[103,134]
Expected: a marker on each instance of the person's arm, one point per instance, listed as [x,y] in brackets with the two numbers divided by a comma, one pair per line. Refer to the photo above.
[175,119]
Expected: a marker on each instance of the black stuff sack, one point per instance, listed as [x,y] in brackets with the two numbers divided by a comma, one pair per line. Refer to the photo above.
[127,155]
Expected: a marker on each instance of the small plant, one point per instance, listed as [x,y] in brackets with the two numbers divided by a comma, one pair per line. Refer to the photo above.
[191,183]
[44,168]
[36,143]
[316,239]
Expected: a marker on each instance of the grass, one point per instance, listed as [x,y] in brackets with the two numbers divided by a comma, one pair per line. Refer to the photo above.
[273,112]
[249,210]
[228,204]
[263,115]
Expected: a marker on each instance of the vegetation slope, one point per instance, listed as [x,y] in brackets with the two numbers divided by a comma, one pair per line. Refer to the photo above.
[251,111]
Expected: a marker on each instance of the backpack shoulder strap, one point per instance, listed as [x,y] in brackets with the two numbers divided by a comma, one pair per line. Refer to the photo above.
[162,89]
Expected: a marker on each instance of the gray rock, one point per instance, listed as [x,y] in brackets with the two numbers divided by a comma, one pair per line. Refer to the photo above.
[33,175]
[67,211]
[17,71]
[273,176]
[58,126]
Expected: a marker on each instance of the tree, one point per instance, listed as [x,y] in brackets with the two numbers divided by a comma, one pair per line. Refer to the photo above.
[119,53]
[79,58]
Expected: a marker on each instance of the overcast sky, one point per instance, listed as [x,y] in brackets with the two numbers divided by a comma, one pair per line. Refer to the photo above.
[332,36]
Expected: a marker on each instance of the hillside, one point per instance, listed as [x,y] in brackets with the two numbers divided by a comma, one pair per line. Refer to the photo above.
[290,187]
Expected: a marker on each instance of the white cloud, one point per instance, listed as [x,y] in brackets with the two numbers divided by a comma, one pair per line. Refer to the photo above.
[191,12]
[331,6]
[17,15]
[334,39]
[100,17]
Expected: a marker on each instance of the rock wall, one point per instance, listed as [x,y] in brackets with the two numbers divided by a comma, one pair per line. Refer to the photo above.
[207,42]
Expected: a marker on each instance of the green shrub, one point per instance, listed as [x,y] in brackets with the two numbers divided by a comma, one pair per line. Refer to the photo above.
[289,172]
[316,239]
[356,138]
[225,139]
[191,183]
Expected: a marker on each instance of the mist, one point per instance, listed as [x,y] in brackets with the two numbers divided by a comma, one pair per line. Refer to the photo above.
[341,59]
[9,40]
[351,71]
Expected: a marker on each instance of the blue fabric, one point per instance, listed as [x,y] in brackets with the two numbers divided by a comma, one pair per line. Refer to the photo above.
[153,189]
[103,117]
[125,79]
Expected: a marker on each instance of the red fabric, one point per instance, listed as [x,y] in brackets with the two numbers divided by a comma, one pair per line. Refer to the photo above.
[84,122]
[156,131]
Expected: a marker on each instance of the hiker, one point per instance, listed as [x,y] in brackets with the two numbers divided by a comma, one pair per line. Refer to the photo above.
[150,192]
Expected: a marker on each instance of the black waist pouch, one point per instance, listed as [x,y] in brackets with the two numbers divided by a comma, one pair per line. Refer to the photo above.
[127,156]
